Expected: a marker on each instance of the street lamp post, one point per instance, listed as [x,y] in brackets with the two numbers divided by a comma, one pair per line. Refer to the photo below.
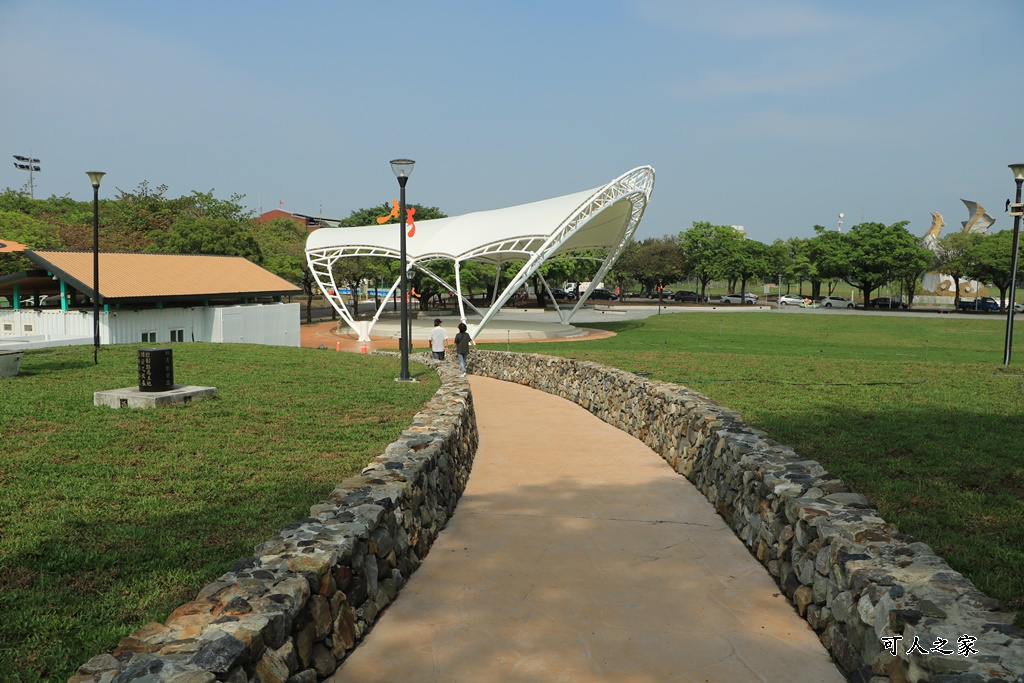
[403,169]
[1016,209]
[31,165]
[95,177]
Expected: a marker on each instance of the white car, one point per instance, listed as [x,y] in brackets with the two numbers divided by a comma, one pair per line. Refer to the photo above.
[791,300]
[836,302]
[745,298]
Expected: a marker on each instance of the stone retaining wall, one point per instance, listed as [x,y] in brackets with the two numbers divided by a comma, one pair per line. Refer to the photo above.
[295,609]
[858,581]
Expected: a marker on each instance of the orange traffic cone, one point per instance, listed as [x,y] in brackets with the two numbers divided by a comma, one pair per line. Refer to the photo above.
[337,347]
[363,349]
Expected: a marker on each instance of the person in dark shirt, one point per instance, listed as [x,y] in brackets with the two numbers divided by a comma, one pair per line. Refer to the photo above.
[462,342]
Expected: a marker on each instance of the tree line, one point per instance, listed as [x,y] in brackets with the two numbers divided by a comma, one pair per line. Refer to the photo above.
[146,220]
[867,257]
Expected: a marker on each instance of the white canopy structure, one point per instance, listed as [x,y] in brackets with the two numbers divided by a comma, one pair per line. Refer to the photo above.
[602,219]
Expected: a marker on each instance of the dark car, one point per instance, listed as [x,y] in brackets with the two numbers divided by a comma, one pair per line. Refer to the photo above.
[886,302]
[985,303]
[562,295]
[686,296]
[603,294]
[665,293]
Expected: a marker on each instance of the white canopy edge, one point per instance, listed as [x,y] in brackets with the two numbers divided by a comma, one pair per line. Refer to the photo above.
[600,219]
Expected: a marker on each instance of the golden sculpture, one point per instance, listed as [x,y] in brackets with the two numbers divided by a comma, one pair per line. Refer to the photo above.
[979,221]
[939,284]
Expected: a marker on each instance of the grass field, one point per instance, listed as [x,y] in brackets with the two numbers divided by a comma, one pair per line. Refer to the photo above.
[918,414]
[111,518]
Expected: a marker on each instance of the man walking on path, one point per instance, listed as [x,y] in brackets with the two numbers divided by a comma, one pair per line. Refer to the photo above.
[438,340]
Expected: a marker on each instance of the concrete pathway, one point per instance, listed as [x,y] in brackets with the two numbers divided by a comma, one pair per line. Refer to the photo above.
[577,554]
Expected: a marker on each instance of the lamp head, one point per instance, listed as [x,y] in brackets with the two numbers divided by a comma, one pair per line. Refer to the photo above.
[95,177]
[1018,171]
[402,168]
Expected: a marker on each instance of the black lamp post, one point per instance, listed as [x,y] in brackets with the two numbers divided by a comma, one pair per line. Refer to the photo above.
[1016,209]
[95,177]
[403,169]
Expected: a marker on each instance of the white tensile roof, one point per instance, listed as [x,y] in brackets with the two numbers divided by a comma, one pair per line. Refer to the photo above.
[601,219]
[460,237]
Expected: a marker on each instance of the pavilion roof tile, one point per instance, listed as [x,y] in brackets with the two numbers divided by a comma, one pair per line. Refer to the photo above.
[141,276]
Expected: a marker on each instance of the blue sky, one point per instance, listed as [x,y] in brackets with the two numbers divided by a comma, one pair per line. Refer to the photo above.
[775,116]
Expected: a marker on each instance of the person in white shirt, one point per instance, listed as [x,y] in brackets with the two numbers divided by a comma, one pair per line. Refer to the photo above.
[438,340]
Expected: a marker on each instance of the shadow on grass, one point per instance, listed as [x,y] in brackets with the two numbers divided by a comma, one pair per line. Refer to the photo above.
[43,367]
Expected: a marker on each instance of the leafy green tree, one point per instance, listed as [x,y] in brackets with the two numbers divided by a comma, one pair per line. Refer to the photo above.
[706,250]
[221,236]
[779,260]
[348,272]
[954,255]
[476,277]
[914,268]
[132,220]
[282,243]
[574,267]
[32,232]
[628,268]
[206,205]
[17,201]
[992,259]
[658,261]
[879,253]
[744,260]
[354,270]
[368,216]
[829,251]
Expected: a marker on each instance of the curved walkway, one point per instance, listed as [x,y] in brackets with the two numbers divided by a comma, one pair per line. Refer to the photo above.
[577,554]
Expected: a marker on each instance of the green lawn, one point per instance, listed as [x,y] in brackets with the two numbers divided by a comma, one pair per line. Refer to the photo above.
[111,518]
[919,414]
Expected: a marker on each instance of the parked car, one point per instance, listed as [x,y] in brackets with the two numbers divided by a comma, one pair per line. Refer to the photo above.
[745,298]
[886,302]
[666,293]
[836,302]
[1018,308]
[686,296]
[604,294]
[984,303]
[791,300]
[561,294]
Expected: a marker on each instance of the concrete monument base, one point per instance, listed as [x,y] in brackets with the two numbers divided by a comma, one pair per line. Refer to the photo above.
[131,397]
[10,363]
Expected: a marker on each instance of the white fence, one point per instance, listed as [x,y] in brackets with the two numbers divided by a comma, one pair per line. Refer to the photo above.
[270,324]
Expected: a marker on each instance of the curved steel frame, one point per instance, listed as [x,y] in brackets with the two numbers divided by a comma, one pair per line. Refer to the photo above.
[634,186]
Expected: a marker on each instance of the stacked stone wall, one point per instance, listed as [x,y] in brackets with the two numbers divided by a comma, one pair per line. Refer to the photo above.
[293,611]
[857,581]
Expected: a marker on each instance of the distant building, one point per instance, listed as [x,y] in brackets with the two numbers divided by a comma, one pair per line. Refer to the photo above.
[153,298]
[310,222]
